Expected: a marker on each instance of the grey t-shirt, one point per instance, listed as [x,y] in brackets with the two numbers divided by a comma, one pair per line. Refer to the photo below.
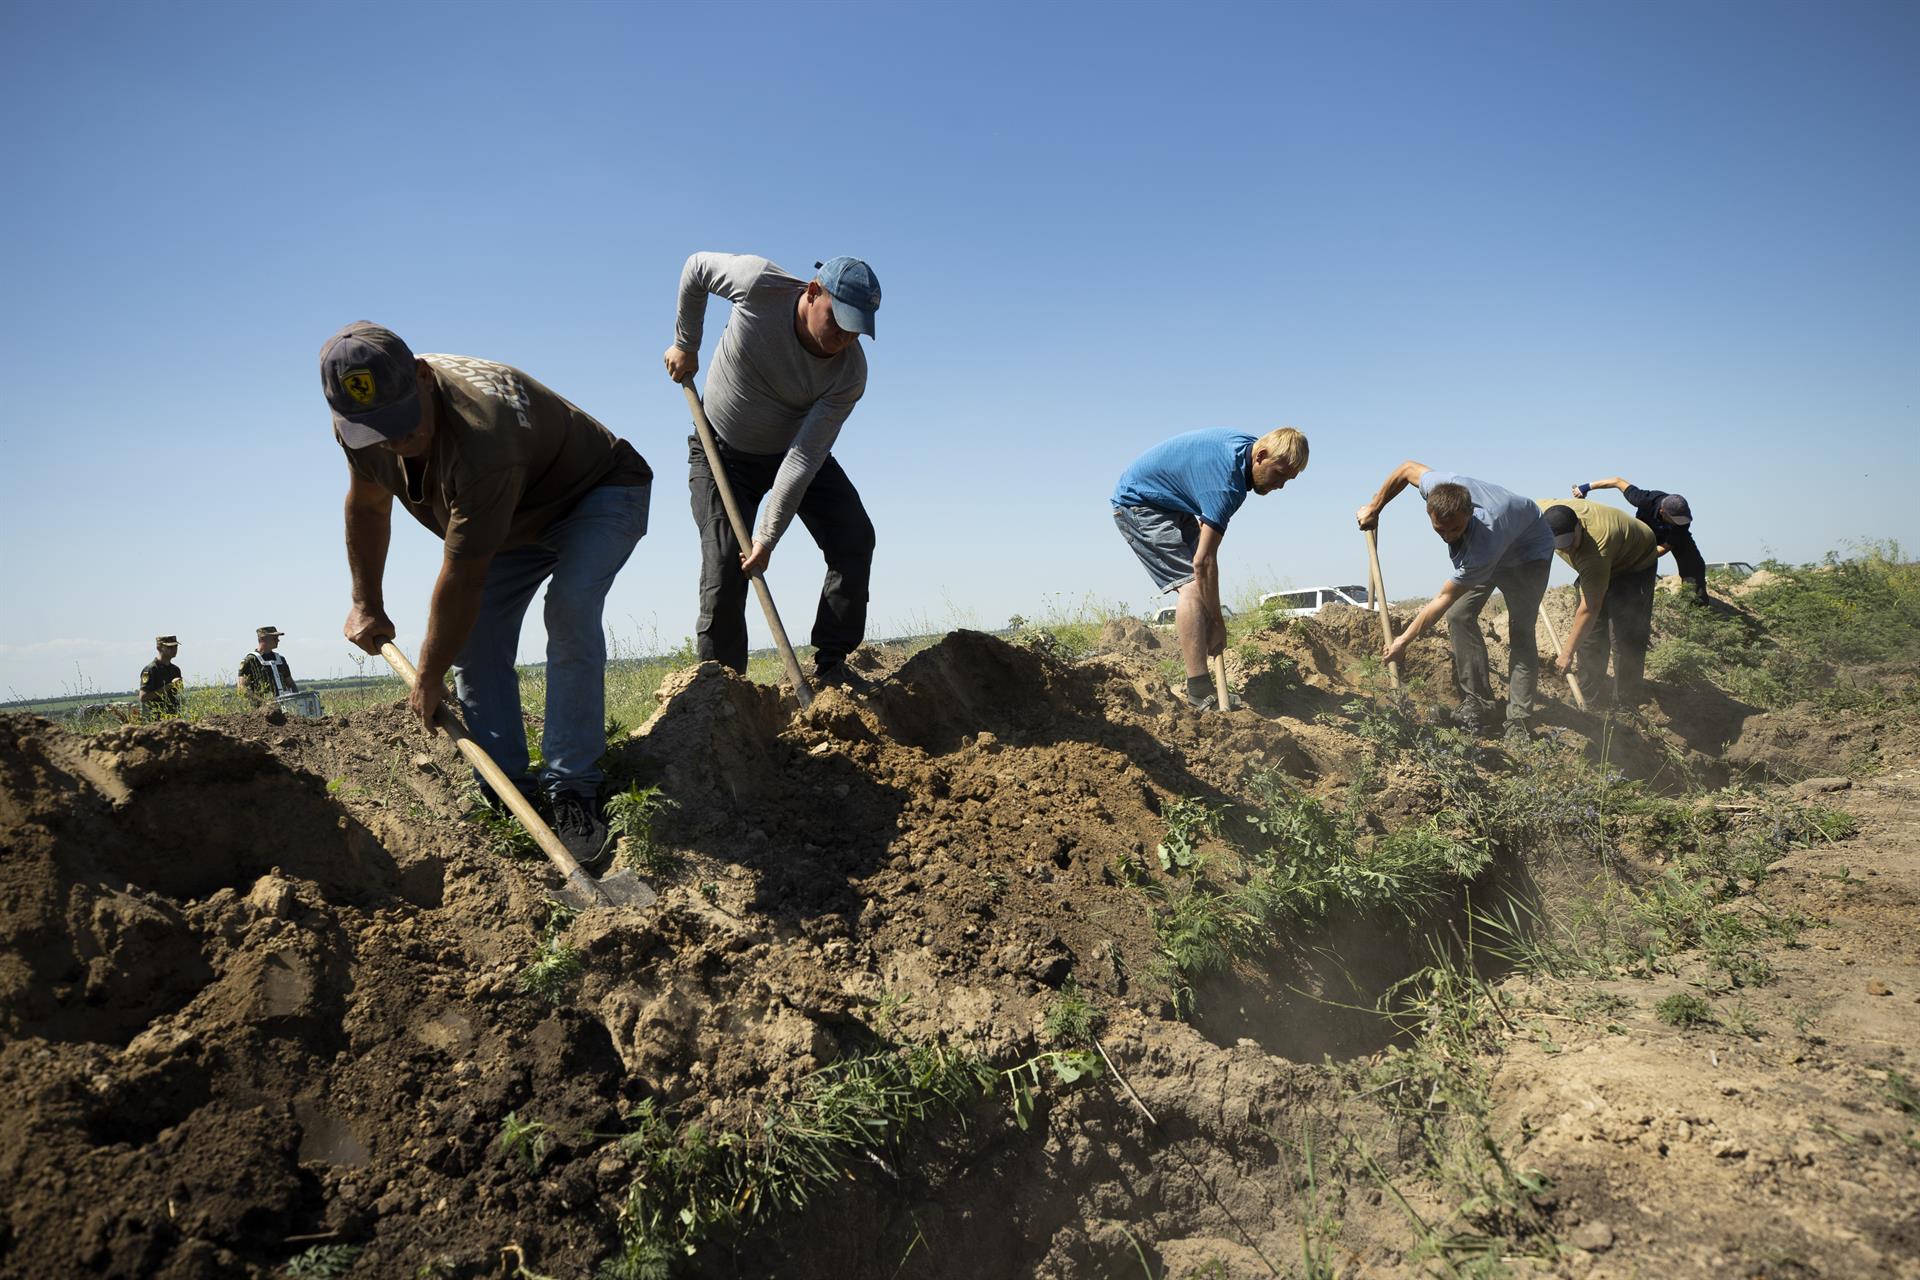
[1506,530]
[766,393]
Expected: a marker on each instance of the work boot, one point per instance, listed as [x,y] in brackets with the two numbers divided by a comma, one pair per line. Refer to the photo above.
[1517,737]
[577,821]
[839,674]
[1471,715]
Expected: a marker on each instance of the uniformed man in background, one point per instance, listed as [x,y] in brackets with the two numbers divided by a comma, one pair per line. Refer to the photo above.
[160,682]
[264,674]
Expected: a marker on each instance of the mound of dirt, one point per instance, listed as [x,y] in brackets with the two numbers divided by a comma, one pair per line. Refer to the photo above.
[262,987]
[1130,635]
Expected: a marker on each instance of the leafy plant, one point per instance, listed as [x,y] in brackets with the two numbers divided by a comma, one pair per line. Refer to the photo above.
[1684,1009]
[555,965]
[524,1140]
[630,816]
[1072,1018]
[323,1262]
[1188,818]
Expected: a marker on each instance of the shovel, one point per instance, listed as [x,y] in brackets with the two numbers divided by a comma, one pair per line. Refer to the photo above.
[801,689]
[1218,665]
[620,889]
[1553,634]
[1377,589]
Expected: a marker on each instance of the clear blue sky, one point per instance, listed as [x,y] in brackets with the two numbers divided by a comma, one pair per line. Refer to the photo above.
[1536,243]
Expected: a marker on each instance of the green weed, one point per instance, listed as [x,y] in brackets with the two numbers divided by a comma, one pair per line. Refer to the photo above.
[630,816]
[524,1140]
[1902,1092]
[323,1262]
[555,966]
[1188,819]
[1684,1009]
[693,1183]
[1072,1018]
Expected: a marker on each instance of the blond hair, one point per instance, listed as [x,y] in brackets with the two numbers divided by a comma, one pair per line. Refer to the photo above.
[1285,446]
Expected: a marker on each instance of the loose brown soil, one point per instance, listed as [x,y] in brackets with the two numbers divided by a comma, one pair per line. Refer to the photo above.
[259,986]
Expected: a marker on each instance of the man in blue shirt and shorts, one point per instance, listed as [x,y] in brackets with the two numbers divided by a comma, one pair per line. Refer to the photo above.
[1497,540]
[1172,506]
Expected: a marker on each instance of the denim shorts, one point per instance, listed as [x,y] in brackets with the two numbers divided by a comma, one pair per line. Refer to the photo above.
[1164,540]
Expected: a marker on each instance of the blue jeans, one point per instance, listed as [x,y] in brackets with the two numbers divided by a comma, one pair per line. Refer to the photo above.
[581,552]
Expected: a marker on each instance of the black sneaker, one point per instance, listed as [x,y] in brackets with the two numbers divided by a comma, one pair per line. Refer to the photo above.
[840,675]
[580,827]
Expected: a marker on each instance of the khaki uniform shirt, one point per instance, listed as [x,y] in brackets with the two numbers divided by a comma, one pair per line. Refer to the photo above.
[508,458]
[1613,543]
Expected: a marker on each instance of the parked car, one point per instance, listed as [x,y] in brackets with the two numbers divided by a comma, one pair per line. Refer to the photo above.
[1308,601]
[1733,568]
[1163,617]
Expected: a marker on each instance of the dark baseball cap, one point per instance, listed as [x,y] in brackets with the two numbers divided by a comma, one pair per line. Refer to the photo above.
[855,292]
[1674,510]
[1563,523]
[367,374]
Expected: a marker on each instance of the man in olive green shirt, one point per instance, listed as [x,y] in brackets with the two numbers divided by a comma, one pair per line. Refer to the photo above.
[160,684]
[1617,558]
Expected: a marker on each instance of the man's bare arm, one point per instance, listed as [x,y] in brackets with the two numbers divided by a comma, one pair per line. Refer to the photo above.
[1583,619]
[1428,615]
[369,516]
[1408,472]
[1611,482]
[457,593]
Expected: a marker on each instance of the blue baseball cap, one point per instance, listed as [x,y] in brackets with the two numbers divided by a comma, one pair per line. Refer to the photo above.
[854,290]
[367,374]
[1674,510]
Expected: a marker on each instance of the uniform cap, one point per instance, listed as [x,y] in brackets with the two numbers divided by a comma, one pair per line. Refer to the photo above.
[1674,510]
[162,641]
[261,633]
[855,292]
[367,375]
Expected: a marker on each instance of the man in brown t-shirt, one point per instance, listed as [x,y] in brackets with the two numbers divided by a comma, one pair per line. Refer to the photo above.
[523,488]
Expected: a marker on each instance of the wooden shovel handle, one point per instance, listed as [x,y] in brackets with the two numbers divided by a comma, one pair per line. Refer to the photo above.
[483,764]
[1553,634]
[1377,593]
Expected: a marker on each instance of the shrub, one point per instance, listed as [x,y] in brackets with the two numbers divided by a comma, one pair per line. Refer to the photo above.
[1684,1009]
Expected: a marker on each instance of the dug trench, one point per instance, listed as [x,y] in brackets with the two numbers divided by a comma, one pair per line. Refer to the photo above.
[272,1007]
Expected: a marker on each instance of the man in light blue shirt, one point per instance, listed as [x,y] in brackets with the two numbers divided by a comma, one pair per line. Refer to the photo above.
[1496,540]
[1172,506]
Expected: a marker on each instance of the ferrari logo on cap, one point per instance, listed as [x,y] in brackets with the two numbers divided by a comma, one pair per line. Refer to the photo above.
[359,385]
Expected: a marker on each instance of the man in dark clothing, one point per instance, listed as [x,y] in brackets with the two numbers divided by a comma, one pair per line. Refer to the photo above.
[264,674]
[786,373]
[1671,520]
[160,683]
[523,488]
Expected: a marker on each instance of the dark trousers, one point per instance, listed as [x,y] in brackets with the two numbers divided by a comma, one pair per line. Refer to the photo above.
[1624,627]
[832,513]
[1522,586]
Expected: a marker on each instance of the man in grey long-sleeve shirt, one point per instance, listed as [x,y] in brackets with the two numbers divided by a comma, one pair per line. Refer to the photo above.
[788,371]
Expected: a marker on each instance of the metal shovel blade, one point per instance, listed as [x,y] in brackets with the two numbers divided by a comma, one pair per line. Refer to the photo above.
[618,889]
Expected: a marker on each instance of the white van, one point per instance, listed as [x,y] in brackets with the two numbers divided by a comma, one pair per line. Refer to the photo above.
[1308,601]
